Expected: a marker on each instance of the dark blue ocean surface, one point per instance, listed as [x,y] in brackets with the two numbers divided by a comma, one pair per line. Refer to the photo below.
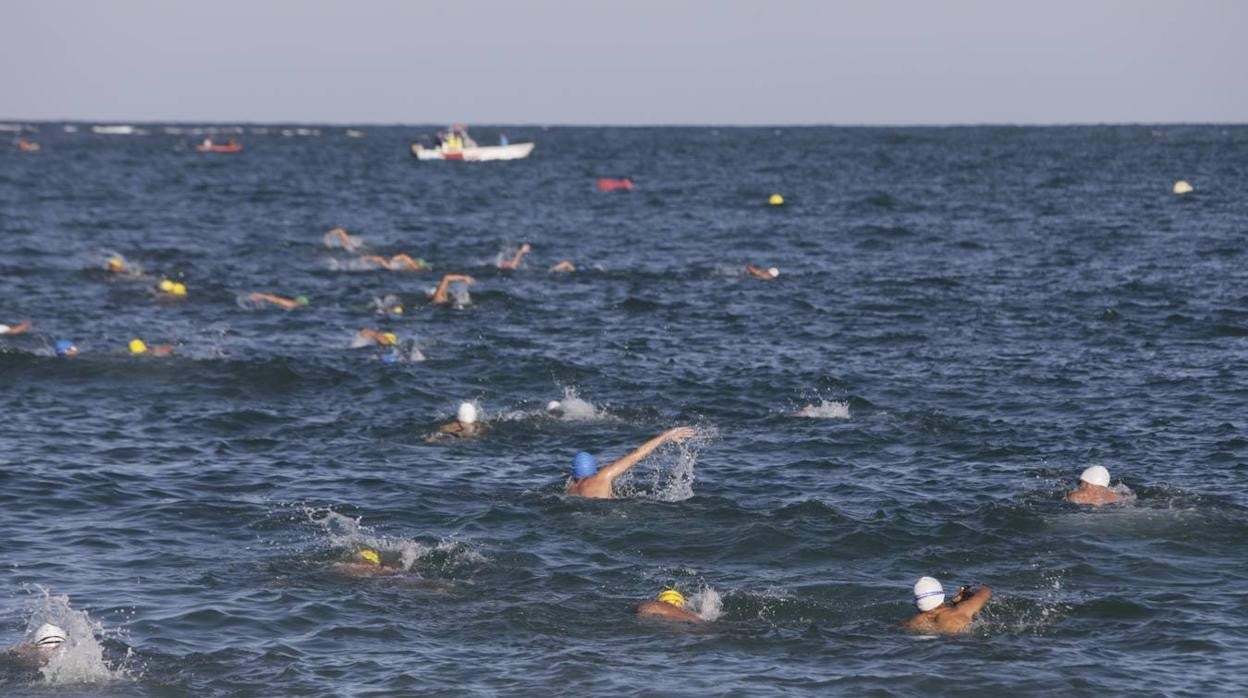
[975,314]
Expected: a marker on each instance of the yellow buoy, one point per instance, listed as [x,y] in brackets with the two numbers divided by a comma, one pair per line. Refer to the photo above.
[776,200]
[1182,187]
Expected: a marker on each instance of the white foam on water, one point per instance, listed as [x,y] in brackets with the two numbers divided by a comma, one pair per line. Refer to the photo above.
[572,408]
[80,660]
[706,603]
[347,533]
[824,409]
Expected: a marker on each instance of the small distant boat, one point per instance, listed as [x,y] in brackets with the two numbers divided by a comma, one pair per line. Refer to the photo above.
[456,144]
[27,146]
[232,146]
[609,184]
[354,133]
[115,130]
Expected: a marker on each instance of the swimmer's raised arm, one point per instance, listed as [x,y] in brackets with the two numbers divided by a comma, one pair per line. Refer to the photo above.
[405,260]
[515,261]
[565,265]
[440,295]
[286,303]
[19,328]
[374,259]
[622,465]
[968,602]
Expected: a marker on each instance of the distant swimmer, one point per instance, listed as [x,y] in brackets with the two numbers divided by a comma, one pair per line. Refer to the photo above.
[46,641]
[66,347]
[565,265]
[368,337]
[116,264]
[441,295]
[937,616]
[138,347]
[172,288]
[466,425]
[338,237]
[760,273]
[514,262]
[286,303]
[366,562]
[591,482]
[1094,488]
[19,328]
[668,605]
[398,262]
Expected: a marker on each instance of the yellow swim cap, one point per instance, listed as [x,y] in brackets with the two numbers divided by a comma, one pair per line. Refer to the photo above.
[166,285]
[673,597]
[116,264]
[397,310]
[370,555]
[179,289]
[137,346]
[388,338]
[776,200]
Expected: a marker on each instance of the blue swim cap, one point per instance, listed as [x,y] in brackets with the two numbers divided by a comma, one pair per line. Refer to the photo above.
[584,465]
[63,347]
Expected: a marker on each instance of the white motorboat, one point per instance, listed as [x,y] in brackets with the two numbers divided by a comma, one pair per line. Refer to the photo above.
[478,153]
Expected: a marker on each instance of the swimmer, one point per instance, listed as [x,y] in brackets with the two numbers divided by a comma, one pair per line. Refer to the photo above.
[514,262]
[760,273]
[937,616]
[591,482]
[368,337]
[440,295]
[668,605]
[47,640]
[19,328]
[285,303]
[172,288]
[66,347]
[115,265]
[366,562]
[338,237]
[138,346]
[565,265]
[1094,488]
[397,262]
[465,426]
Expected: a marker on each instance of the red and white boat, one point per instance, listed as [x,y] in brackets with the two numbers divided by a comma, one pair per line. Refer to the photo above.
[209,147]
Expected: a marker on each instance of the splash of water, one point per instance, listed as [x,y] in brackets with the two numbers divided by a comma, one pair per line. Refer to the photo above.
[348,533]
[824,409]
[706,603]
[574,409]
[80,660]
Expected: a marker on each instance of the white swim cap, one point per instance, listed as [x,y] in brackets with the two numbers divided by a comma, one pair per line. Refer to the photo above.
[774,272]
[467,413]
[49,636]
[1096,475]
[928,593]
[552,405]
[4,329]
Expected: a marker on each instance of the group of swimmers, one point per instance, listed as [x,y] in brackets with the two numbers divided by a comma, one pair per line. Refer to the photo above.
[588,479]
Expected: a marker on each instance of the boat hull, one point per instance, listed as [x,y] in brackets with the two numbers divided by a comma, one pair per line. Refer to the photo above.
[481,153]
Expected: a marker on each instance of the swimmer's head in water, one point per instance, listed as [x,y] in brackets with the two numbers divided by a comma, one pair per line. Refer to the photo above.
[179,289]
[1096,475]
[553,405]
[397,310]
[420,262]
[583,465]
[116,264]
[65,347]
[928,593]
[673,597]
[388,339]
[49,637]
[773,272]
[467,413]
[137,346]
[165,285]
[370,556]
[302,300]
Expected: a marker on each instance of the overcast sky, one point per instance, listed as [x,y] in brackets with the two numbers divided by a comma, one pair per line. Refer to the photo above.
[627,61]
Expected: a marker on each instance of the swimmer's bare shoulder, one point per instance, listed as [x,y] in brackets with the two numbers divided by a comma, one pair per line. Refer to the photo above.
[1094,497]
[666,611]
[950,620]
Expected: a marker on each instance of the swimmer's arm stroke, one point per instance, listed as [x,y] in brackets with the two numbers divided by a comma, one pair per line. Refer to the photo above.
[973,601]
[439,295]
[622,465]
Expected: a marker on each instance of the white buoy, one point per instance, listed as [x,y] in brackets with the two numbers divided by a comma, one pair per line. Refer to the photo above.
[1182,187]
